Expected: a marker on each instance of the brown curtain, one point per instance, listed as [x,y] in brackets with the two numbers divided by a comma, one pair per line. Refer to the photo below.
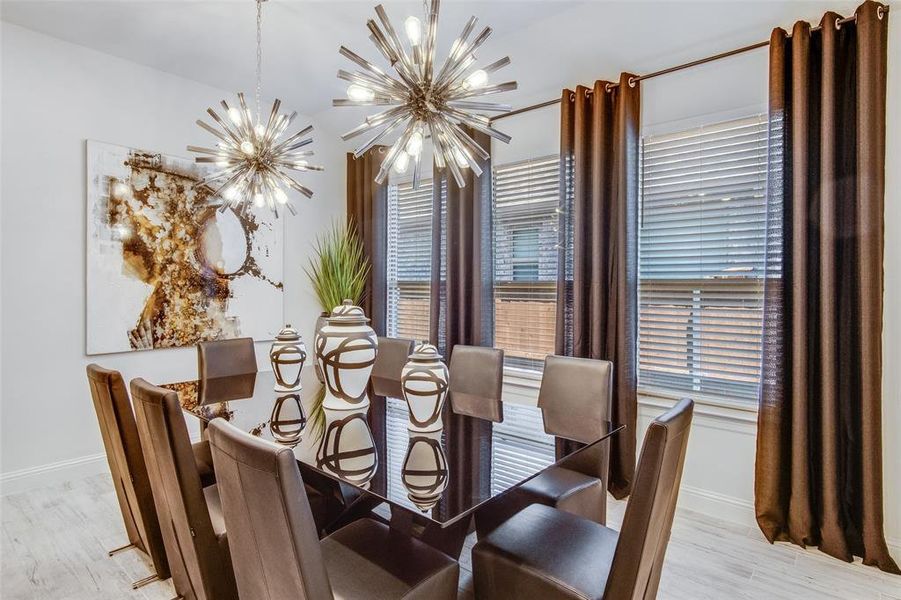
[367,209]
[597,276]
[462,308]
[819,450]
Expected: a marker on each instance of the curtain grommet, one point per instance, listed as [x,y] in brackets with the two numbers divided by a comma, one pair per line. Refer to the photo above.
[880,12]
[632,82]
[838,23]
[587,92]
[572,96]
[608,87]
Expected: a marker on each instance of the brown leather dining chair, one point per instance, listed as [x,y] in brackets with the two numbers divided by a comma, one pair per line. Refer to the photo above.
[546,553]
[127,467]
[575,399]
[273,538]
[476,382]
[190,514]
[389,362]
[220,358]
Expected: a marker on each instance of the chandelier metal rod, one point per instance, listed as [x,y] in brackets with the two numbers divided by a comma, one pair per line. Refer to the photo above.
[674,69]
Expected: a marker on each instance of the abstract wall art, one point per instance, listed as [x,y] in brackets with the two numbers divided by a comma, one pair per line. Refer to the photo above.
[165,267]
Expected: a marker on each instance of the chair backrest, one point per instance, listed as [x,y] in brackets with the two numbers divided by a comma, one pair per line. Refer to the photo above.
[200,569]
[389,362]
[220,358]
[271,532]
[126,464]
[575,397]
[638,560]
[477,381]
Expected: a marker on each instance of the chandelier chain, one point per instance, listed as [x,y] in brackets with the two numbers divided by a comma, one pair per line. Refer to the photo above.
[259,55]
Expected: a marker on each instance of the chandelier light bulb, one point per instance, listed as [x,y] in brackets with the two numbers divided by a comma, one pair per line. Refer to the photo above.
[230,193]
[476,79]
[235,115]
[280,196]
[359,93]
[424,96]
[258,200]
[260,130]
[414,144]
[413,27]
[402,162]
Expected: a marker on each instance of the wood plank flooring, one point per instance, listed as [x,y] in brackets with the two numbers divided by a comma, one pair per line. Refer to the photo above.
[54,544]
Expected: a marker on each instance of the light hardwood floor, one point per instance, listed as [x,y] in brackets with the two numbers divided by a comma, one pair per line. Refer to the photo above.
[55,541]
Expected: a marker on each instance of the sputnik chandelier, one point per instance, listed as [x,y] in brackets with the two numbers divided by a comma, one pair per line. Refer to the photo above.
[423,100]
[252,158]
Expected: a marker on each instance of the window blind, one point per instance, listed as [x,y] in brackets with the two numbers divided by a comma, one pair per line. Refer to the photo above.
[526,198]
[701,258]
[409,259]
[515,451]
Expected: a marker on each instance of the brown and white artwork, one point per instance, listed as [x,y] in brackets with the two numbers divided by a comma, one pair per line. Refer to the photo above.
[165,267]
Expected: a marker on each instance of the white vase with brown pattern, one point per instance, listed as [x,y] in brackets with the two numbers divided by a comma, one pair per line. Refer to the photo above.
[424,383]
[345,352]
[424,472]
[286,356]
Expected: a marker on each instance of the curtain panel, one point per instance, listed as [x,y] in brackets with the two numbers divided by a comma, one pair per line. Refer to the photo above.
[367,210]
[819,449]
[462,303]
[597,275]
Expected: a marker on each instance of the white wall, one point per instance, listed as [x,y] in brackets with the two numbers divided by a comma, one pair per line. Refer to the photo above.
[719,470]
[55,95]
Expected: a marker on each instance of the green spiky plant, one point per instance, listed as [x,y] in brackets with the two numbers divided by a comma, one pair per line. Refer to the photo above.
[339,267]
[338,271]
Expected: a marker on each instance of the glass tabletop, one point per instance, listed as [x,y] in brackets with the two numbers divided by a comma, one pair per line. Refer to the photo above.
[443,476]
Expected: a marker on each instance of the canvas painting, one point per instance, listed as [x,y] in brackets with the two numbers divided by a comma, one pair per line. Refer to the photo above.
[165,267]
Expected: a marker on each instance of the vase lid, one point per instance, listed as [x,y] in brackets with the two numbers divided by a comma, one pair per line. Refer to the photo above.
[288,334]
[348,313]
[425,351]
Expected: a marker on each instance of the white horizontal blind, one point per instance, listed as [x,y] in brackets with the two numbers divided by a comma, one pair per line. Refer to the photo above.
[701,259]
[409,259]
[526,198]
[519,447]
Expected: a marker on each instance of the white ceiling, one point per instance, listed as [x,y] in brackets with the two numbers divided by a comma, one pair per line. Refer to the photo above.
[552,43]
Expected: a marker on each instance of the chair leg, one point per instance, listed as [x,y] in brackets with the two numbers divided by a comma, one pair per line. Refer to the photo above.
[120,549]
[142,582]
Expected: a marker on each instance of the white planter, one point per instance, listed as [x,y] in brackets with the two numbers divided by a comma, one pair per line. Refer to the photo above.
[424,383]
[424,471]
[345,352]
[347,449]
[287,355]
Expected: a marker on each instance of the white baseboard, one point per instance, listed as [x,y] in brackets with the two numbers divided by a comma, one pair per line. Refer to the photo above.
[24,480]
[720,506]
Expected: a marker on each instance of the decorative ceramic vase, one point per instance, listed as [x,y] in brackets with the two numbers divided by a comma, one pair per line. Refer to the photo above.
[424,383]
[424,472]
[287,356]
[321,321]
[347,449]
[345,352]
[288,420]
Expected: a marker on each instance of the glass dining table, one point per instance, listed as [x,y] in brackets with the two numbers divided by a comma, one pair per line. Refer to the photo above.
[432,483]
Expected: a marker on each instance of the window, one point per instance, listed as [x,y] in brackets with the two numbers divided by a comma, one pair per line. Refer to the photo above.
[516,451]
[409,259]
[701,259]
[526,198]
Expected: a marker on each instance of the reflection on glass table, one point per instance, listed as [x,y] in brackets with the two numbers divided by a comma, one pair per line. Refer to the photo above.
[437,479]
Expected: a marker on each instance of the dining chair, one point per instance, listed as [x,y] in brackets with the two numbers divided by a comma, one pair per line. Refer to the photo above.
[273,537]
[220,358]
[389,362]
[190,514]
[542,552]
[127,467]
[574,398]
[476,382]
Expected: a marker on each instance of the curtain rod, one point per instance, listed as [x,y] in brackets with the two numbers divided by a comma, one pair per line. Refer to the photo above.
[838,22]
